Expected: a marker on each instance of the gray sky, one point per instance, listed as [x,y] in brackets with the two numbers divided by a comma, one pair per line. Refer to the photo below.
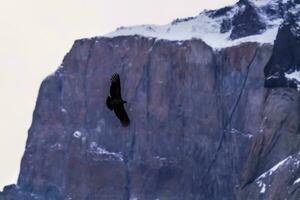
[36,34]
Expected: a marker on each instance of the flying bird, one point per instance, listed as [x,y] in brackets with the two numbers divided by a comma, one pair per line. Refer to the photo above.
[115,102]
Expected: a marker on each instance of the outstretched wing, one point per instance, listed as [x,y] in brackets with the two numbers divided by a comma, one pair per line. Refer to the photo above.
[115,87]
[121,114]
[109,103]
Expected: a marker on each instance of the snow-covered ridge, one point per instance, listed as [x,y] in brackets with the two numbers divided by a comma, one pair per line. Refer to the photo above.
[274,168]
[207,26]
[292,161]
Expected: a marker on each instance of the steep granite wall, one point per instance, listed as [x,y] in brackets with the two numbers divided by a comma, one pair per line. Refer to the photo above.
[203,125]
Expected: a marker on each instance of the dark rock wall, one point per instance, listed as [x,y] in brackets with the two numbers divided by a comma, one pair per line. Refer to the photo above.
[285,57]
[196,115]
[247,21]
[279,140]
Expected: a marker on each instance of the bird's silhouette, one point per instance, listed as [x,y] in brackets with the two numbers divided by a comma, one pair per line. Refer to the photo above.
[115,102]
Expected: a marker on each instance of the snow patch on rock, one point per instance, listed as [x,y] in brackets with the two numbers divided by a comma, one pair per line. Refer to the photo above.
[94,148]
[294,76]
[296,181]
[63,110]
[274,168]
[235,131]
[160,158]
[77,134]
[262,185]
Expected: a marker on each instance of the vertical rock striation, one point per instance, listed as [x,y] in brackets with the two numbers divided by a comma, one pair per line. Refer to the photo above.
[196,114]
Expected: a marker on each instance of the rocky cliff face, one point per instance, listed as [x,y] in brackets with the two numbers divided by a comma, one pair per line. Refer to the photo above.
[203,124]
[286,55]
[196,114]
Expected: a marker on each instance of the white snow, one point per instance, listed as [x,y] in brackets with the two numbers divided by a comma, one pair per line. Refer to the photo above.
[56,146]
[209,35]
[295,76]
[63,110]
[270,3]
[261,130]
[261,3]
[288,160]
[160,158]
[297,163]
[263,187]
[274,168]
[99,129]
[201,27]
[206,28]
[293,11]
[77,134]
[272,76]
[297,181]
[101,151]
[235,131]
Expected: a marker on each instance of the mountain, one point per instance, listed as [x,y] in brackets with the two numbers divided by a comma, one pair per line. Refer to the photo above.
[214,107]
[246,21]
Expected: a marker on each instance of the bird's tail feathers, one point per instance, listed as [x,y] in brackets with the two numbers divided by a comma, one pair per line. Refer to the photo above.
[125,123]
